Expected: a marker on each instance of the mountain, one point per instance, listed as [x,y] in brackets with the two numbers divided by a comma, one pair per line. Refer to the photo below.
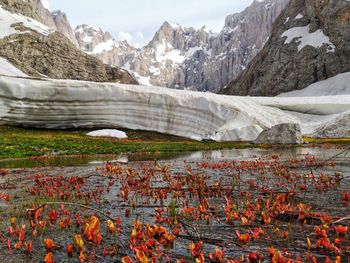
[309,43]
[31,41]
[188,58]
[94,41]
[57,20]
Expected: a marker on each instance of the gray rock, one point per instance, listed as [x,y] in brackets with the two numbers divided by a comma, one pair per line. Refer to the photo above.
[280,67]
[286,133]
[62,25]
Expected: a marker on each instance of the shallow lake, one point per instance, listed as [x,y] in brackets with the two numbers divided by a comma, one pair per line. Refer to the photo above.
[194,188]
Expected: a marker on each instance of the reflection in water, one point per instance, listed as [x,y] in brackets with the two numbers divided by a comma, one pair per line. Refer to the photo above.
[85,166]
[229,154]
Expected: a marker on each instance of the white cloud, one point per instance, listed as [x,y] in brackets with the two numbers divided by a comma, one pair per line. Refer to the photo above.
[46,4]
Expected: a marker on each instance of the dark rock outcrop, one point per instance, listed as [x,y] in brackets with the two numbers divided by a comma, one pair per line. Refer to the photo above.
[290,62]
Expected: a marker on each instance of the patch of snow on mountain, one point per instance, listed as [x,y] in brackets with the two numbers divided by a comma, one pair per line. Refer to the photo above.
[154,71]
[6,68]
[87,39]
[337,85]
[299,16]
[104,46]
[142,80]
[175,25]
[46,4]
[163,54]
[7,20]
[302,34]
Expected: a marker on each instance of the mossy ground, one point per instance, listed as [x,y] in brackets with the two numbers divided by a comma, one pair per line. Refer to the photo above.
[19,143]
[327,140]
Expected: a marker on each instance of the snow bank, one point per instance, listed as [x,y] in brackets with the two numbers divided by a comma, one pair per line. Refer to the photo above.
[321,105]
[108,133]
[8,20]
[337,85]
[316,39]
[71,104]
[6,68]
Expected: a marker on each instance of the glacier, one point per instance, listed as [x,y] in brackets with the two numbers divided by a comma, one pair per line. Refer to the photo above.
[63,104]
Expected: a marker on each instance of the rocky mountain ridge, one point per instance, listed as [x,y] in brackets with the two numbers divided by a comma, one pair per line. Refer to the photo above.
[56,20]
[310,42]
[92,40]
[188,58]
[31,40]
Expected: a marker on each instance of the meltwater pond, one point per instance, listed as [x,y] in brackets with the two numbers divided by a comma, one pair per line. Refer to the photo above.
[218,155]
[184,206]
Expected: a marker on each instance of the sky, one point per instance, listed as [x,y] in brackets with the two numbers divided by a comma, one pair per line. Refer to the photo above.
[137,20]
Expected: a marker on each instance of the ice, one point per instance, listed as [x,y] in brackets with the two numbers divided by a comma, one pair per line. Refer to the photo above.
[62,104]
[108,133]
[6,68]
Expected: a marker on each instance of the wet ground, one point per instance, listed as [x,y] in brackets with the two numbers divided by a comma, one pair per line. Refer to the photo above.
[238,202]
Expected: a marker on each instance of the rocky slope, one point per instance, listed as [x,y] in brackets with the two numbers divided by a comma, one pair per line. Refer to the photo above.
[310,42]
[40,51]
[179,57]
[33,8]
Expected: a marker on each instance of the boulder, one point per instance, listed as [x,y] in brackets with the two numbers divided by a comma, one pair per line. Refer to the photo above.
[285,133]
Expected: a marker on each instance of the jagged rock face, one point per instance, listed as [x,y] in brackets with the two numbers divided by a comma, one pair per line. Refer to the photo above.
[242,37]
[164,61]
[309,43]
[94,41]
[89,37]
[179,57]
[62,25]
[33,8]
